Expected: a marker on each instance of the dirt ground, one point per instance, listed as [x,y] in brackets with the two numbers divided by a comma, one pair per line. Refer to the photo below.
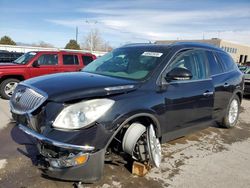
[214,157]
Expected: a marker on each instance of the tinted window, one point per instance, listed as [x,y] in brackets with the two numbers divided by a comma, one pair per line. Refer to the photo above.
[194,61]
[227,62]
[214,65]
[70,60]
[87,59]
[48,59]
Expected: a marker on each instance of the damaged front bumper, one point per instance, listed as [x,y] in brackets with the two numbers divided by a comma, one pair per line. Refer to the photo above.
[68,161]
[53,142]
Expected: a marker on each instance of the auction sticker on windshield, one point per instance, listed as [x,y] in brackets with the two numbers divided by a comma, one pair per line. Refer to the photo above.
[152,54]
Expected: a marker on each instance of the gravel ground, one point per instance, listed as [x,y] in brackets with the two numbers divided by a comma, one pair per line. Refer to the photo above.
[214,157]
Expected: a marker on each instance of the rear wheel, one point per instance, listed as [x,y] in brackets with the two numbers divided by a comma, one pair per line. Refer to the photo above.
[142,144]
[232,114]
[7,87]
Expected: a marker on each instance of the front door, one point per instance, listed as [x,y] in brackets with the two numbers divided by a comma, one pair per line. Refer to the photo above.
[189,102]
[48,64]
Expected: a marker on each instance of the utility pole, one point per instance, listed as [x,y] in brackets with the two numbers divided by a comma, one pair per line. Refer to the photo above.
[76,34]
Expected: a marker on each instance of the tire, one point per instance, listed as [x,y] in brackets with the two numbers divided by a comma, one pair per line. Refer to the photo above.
[7,87]
[142,144]
[132,135]
[232,114]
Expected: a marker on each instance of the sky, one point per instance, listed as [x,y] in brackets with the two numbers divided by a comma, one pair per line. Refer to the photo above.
[124,21]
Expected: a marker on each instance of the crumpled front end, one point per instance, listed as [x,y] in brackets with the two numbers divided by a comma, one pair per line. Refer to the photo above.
[63,155]
[67,161]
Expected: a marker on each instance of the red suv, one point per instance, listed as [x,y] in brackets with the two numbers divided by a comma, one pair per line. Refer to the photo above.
[34,64]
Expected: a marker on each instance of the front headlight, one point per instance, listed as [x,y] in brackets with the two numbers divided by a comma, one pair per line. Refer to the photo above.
[82,114]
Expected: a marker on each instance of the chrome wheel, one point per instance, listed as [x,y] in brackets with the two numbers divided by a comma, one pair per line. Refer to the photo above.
[9,88]
[154,147]
[233,111]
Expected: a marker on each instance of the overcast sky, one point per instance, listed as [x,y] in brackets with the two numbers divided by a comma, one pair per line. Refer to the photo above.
[121,21]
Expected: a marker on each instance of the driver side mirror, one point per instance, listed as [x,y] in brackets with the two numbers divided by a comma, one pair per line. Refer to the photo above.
[35,64]
[178,74]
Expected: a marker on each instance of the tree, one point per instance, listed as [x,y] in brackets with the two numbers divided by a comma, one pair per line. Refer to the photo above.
[7,40]
[106,47]
[93,41]
[72,44]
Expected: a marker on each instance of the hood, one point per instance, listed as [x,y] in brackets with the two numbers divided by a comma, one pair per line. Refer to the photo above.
[10,65]
[65,87]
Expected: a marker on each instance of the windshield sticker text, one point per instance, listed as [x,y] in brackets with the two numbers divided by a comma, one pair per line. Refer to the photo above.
[152,54]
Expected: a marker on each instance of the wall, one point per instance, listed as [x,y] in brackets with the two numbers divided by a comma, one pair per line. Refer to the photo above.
[236,51]
[25,49]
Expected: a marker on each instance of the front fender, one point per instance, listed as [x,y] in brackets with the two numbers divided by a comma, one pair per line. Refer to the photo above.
[124,119]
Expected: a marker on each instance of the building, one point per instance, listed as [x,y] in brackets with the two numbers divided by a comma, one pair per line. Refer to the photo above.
[240,53]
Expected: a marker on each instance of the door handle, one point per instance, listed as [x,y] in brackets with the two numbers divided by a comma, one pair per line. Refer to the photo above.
[208,93]
[226,85]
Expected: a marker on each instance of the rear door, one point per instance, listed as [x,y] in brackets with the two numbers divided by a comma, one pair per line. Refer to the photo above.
[189,102]
[70,62]
[222,78]
[48,63]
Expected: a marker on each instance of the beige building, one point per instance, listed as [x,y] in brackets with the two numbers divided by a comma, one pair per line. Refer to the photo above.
[240,53]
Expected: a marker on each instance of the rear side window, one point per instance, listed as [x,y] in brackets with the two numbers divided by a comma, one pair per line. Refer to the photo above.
[214,65]
[227,61]
[70,60]
[87,59]
[48,59]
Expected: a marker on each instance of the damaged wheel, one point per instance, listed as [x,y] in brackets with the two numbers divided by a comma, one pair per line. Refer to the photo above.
[142,144]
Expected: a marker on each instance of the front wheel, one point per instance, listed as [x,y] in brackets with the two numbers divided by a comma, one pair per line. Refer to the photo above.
[232,114]
[7,87]
[142,144]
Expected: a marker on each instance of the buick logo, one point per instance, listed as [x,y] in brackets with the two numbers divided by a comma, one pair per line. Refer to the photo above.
[18,95]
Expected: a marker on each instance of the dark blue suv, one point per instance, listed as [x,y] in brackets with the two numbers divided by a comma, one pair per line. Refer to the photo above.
[129,101]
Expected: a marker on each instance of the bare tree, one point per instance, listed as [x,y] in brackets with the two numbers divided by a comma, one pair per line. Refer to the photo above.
[93,41]
[107,47]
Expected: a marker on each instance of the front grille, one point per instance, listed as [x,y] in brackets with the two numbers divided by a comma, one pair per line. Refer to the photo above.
[26,100]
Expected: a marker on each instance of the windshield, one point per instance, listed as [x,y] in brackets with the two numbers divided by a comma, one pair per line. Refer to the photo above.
[25,58]
[131,63]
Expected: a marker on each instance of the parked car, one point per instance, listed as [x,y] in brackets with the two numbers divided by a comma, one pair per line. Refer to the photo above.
[246,71]
[6,57]
[128,101]
[34,64]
